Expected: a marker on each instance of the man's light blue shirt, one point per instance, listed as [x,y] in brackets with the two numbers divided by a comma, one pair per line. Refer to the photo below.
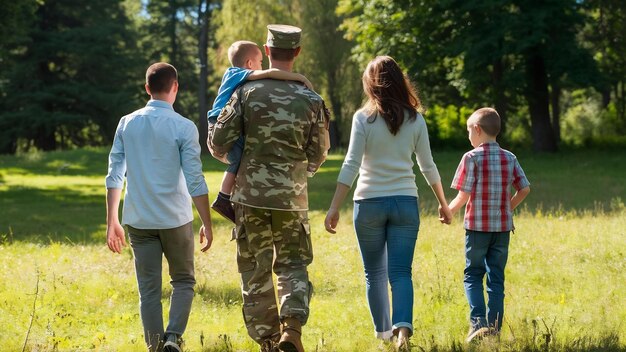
[158,151]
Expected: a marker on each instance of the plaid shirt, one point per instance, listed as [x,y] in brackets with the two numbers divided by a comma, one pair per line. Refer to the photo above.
[487,173]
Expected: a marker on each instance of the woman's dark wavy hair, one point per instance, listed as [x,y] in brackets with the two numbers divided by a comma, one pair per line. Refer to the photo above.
[389,93]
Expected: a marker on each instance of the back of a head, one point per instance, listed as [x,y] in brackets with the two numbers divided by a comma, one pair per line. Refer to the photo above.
[283,41]
[160,77]
[389,92]
[489,120]
[240,51]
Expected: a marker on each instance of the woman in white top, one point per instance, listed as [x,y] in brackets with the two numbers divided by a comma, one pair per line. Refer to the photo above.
[386,132]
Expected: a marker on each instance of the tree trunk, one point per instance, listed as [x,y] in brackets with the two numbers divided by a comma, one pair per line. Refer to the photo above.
[203,43]
[171,33]
[45,139]
[500,97]
[335,103]
[622,102]
[538,103]
[555,101]
[606,97]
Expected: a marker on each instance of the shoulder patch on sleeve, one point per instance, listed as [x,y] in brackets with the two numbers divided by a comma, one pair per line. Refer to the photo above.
[228,112]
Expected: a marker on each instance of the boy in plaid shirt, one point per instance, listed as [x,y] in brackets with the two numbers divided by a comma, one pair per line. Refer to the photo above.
[484,178]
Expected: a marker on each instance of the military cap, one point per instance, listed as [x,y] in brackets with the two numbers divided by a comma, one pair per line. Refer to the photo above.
[283,36]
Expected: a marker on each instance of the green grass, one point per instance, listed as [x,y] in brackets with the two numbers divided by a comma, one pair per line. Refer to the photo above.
[565,277]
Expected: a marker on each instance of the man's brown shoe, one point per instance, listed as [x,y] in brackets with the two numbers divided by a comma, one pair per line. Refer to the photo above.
[290,341]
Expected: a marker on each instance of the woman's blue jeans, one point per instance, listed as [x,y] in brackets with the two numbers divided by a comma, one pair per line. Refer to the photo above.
[386,229]
[485,253]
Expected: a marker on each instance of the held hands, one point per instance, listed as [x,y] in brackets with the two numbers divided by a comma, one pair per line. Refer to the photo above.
[445,215]
[332,218]
[206,235]
[116,239]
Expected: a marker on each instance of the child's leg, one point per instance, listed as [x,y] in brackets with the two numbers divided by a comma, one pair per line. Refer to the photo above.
[228,182]
[222,203]
[476,245]
[496,262]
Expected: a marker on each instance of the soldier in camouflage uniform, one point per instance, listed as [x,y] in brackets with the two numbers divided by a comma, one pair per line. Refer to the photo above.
[286,139]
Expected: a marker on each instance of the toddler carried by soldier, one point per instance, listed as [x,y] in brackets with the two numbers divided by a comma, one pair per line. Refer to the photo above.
[246,60]
[286,129]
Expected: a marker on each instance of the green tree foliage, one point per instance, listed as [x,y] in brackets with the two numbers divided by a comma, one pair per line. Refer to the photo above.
[605,32]
[16,18]
[336,76]
[71,76]
[71,68]
[247,20]
[487,52]
[325,56]
[170,33]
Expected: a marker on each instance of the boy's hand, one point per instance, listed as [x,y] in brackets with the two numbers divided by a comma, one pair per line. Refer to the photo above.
[116,239]
[206,235]
[445,215]
[332,218]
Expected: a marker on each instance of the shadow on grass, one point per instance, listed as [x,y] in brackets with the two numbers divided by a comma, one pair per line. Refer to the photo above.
[64,214]
[79,162]
[581,181]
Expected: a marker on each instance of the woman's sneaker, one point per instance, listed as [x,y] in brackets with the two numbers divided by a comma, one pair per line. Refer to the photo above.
[172,344]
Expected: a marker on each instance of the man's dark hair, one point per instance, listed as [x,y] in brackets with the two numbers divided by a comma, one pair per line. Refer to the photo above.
[280,54]
[160,77]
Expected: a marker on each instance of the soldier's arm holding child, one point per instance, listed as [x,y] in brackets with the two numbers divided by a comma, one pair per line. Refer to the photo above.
[227,129]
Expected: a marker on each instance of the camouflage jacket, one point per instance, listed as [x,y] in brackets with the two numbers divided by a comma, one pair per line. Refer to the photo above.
[286,139]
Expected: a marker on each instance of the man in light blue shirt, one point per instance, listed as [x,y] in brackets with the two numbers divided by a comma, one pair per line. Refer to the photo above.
[158,152]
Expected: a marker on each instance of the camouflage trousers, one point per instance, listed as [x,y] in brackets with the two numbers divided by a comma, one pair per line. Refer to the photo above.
[272,239]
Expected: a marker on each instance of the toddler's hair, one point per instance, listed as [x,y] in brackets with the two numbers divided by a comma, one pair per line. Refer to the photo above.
[240,51]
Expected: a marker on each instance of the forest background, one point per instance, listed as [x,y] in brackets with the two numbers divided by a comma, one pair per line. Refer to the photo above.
[555,70]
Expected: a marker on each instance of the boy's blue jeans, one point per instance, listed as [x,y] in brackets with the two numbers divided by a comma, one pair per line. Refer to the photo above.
[386,229]
[485,253]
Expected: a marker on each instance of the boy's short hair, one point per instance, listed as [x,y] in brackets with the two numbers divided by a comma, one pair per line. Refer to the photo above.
[240,51]
[488,120]
[280,54]
[160,77]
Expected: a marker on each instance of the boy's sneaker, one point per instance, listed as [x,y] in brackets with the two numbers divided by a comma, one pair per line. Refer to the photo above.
[477,334]
[223,207]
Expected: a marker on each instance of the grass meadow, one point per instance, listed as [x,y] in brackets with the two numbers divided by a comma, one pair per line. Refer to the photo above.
[62,290]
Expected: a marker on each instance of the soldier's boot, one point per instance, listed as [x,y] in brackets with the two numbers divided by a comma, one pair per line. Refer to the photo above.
[291,339]
[270,344]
